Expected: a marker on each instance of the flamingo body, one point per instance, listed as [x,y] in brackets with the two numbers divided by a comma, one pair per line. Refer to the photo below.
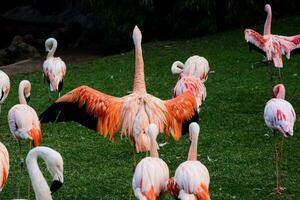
[273,46]
[191,180]
[22,119]
[4,86]
[4,165]
[54,68]
[130,114]
[152,173]
[196,66]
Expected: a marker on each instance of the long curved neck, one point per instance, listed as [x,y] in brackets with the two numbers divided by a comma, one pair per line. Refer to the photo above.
[153,148]
[267,27]
[139,85]
[39,184]
[22,99]
[193,149]
[53,49]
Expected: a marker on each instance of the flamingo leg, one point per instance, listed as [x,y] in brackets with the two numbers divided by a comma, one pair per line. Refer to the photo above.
[21,168]
[28,182]
[133,158]
[280,159]
[279,76]
[278,155]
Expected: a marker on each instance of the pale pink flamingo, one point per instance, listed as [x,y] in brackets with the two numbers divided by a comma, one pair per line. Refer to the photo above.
[273,46]
[191,180]
[279,115]
[4,87]
[196,66]
[54,163]
[130,114]
[151,174]
[22,119]
[4,165]
[54,69]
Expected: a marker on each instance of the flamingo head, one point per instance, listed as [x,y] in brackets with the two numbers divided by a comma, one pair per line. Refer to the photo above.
[49,43]
[153,131]
[55,167]
[137,36]
[194,130]
[286,128]
[268,8]
[279,91]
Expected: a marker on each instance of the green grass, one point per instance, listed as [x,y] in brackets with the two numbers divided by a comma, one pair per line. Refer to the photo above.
[232,125]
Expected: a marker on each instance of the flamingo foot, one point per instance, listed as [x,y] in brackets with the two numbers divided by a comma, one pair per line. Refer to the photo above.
[278,190]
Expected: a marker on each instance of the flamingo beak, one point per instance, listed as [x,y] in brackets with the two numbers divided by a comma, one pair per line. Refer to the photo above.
[56,184]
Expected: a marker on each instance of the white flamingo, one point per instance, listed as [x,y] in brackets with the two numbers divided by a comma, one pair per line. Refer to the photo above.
[196,66]
[54,163]
[54,68]
[4,87]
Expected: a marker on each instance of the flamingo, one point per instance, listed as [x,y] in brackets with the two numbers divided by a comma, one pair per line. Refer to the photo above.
[191,180]
[54,69]
[4,165]
[130,114]
[279,116]
[4,87]
[273,46]
[54,163]
[22,119]
[152,173]
[196,66]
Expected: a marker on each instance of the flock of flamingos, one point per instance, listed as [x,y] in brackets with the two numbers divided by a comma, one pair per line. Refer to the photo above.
[141,116]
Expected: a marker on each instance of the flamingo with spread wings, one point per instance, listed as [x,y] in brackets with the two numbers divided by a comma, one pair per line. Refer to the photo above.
[130,114]
[273,46]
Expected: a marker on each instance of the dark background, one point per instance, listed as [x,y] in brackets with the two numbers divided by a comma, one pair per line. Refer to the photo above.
[105,26]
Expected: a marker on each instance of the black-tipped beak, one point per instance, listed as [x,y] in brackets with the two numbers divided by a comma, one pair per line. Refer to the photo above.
[2,95]
[60,85]
[55,186]
[28,99]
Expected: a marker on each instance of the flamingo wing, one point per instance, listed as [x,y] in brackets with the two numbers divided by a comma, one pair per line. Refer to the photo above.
[290,44]
[179,110]
[89,107]
[255,41]
[4,165]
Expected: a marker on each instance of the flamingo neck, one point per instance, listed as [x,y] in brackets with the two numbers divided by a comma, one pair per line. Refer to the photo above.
[267,27]
[139,85]
[153,148]
[39,184]
[193,149]
[22,99]
[279,91]
[53,49]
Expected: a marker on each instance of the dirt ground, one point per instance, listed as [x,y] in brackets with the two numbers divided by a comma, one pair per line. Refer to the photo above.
[35,64]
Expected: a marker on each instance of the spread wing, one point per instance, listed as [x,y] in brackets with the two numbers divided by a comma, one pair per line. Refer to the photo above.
[255,41]
[291,44]
[89,107]
[180,110]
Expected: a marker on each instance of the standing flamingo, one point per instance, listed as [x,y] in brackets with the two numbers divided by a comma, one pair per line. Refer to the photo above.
[54,163]
[151,173]
[4,87]
[54,68]
[4,165]
[194,66]
[274,46]
[279,115]
[191,180]
[22,119]
[131,114]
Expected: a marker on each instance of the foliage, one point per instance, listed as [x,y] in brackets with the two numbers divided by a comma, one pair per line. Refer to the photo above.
[234,142]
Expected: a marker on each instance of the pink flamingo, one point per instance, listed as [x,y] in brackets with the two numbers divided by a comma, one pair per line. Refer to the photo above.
[279,115]
[196,66]
[274,46]
[4,87]
[4,165]
[151,173]
[54,68]
[191,180]
[22,119]
[130,114]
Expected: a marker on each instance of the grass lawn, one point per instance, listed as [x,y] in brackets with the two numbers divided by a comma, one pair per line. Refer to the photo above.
[234,142]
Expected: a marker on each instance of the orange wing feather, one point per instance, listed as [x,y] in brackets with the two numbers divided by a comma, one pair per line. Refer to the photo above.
[104,108]
[180,109]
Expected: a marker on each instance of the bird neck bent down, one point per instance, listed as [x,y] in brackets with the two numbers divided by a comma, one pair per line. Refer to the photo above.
[267,27]
[24,89]
[193,149]
[53,48]
[39,184]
